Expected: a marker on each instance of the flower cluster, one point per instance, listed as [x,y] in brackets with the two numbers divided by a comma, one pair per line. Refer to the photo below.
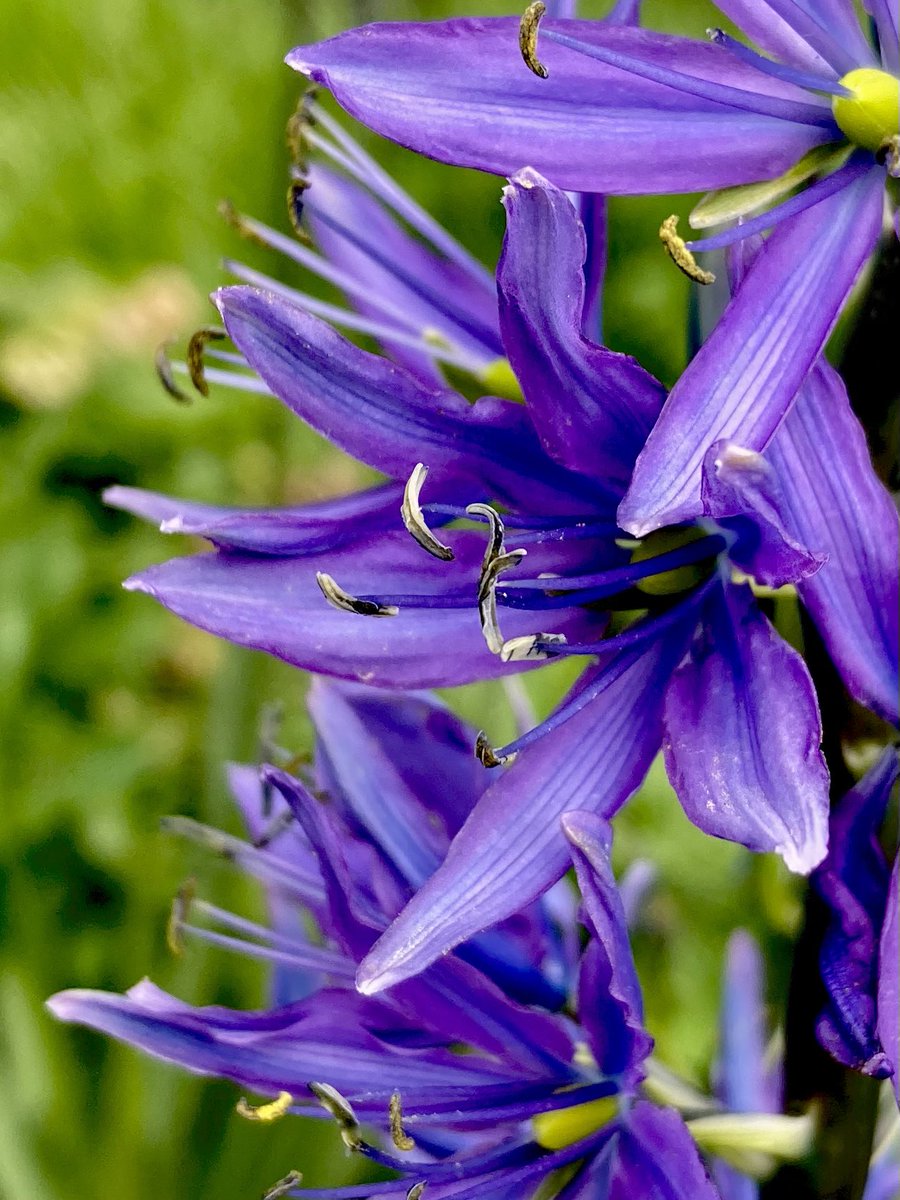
[446,983]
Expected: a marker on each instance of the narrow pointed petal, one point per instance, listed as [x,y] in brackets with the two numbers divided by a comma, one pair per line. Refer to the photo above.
[836,504]
[303,528]
[458,91]
[854,882]
[744,379]
[742,736]
[743,493]
[275,604]
[657,1159]
[609,1003]
[375,409]
[889,979]
[825,38]
[592,408]
[513,848]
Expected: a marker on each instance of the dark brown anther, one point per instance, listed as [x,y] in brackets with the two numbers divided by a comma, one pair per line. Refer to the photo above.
[178,915]
[284,1186]
[195,351]
[338,598]
[299,121]
[485,754]
[399,1136]
[165,374]
[414,520]
[528,37]
[296,188]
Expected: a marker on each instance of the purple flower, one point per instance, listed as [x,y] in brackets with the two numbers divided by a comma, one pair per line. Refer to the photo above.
[537,1089]
[623,110]
[860,955]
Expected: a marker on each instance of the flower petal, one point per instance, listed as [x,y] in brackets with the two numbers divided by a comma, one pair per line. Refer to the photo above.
[743,1083]
[742,736]
[512,848]
[657,1159]
[744,379]
[889,979]
[458,91]
[592,408]
[835,503]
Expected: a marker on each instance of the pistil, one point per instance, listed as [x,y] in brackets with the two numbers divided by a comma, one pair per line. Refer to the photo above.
[870,116]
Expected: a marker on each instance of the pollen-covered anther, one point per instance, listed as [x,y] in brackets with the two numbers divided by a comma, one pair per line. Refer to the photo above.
[163,364]
[495,541]
[413,519]
[273,1111]
[178,915]
[284,1186]
[338,598]
[487,597]
[416,1190]
[486,754]
[296,188]
[533,646]
[677,250]
[399,1136]
[528,37]
[339,1108]
[195,351]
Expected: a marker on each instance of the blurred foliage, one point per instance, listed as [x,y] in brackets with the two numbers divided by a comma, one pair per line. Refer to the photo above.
[122,123]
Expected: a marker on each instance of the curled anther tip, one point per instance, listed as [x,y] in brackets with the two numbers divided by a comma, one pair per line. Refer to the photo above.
[495,568]
[678,251]
[399,1136]
[178,915]
[195,351]
[414,520]
[531,646]
[486,754]
[338,598]
[416,1190]
[528,38]
[283,1186]
[273,1111]
[164,373]
[341,1110]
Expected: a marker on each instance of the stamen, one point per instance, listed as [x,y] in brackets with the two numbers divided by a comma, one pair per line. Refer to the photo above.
[339,1108]
[273,1111]
[283,821]
[531,646]
[528,35]
[196,346]
[495,543]
[178,915]
[803,79]
[677,250]
[338,598]
[413,519]
[486,754]
[487,597]
[284,1186]
[245,226]
[416,1190]
[298,124]
[163,364]
[399,1136]
[295,191]
[888,153]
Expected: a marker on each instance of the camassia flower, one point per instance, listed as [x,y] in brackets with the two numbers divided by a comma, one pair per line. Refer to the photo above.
[701,673]
[481,1093]
[623,110]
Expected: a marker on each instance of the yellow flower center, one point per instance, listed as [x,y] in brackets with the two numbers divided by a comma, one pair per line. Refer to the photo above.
[872,114]
[565,1126]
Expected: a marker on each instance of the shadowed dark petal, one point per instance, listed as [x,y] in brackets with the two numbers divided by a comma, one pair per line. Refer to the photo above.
[275,604]
[302,528]
[742,736]
[746,376]
[854,882]
[457,91]
[380,413]
[512,848]
[592,408]
[835,503]
[609,995]
[657,1159]
[742,492]
[889,979]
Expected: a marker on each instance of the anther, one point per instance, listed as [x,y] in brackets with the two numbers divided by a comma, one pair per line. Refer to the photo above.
[487,597]
[239,223]
[283,1186]
[338,598]
[178,915]
[339,1108]
[273,1111]
[528,36]
[296,188]
[411,513]
[532,646]
[485,754]
[300,120]
[165,374]
[399,1136]
[196,347]
[275,829]
[495,541]
[680,255]
[888,154]
[416,1191]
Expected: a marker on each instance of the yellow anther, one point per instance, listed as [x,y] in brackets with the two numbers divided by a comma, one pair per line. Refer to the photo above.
[565,1126]
[679,253]
[273,1111]
[871,116]
[399,1136]
[528,35]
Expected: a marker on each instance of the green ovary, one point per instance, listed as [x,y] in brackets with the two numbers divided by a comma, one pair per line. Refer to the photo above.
[872,114]
[565,1126]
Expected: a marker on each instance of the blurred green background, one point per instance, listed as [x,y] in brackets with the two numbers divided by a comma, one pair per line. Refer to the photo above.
[123,123]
